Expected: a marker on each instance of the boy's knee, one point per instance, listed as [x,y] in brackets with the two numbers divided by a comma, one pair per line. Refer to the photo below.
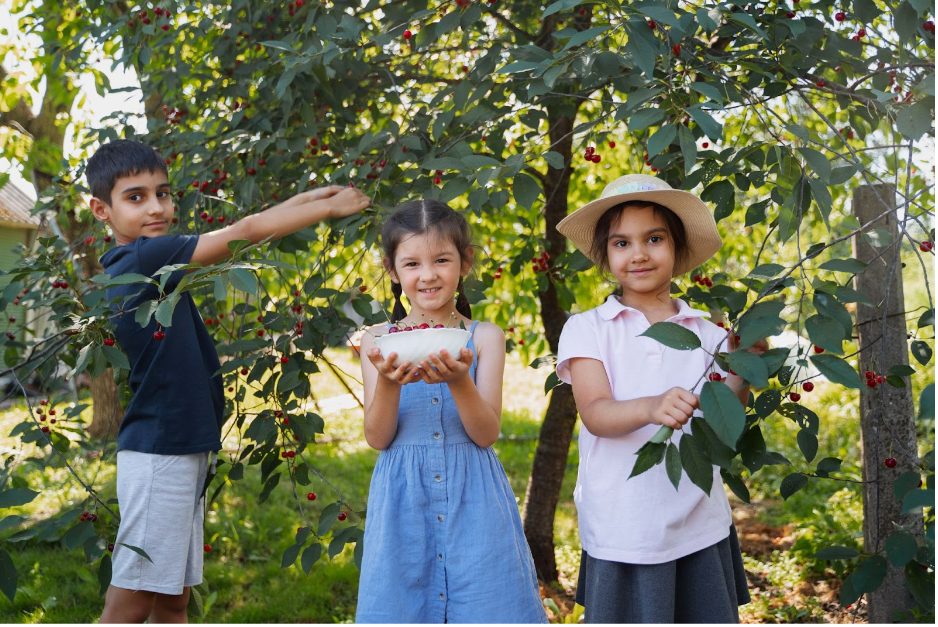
[126,606]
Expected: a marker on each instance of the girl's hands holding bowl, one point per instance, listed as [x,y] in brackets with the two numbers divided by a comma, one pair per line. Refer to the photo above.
[388,368]
[444,368]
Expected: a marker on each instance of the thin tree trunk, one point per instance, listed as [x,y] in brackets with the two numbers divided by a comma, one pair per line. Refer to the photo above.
[550,457]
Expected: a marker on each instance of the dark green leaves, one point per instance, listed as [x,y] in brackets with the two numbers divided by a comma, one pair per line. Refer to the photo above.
[673,336]
[761,321]
[672,463]
[723,412]
[696,463]
[837,370]
[8,575]
[16,496]
[525,190]
[750,367]
[649,455]
[792,483]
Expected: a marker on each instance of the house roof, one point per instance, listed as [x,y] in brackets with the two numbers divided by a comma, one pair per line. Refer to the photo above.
[16,208]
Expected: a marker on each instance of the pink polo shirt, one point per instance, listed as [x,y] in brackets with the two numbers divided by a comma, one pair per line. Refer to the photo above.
[642,520]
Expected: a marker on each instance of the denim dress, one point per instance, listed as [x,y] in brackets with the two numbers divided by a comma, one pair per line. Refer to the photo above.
[443,538]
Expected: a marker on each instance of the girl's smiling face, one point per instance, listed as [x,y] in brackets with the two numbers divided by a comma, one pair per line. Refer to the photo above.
[428,268]
[641,252]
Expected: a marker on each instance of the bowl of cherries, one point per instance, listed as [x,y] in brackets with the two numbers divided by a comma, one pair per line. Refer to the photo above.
[416,343]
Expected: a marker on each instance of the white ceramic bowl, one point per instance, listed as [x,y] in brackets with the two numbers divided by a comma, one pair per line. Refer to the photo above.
[415,346]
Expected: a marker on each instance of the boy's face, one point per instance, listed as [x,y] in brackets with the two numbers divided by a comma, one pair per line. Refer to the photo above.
[141,205]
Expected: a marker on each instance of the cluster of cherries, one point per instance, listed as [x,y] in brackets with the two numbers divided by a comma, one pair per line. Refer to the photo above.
[702,281]
[89,517]
[416,327]
[144,17]
[873,379]
[41,414]
[539,263]
[590,153]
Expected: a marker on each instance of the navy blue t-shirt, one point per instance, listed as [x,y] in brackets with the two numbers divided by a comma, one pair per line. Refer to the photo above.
[178,400]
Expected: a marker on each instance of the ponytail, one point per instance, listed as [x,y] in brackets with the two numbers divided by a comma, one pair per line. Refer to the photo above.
[399,312]
[462,303]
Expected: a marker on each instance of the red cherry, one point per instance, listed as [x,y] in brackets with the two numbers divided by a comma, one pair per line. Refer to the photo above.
[45,429]
[821,83]
[807,386]
[109,341]
[676,49]
[342,516]
[251,171]
[110,547]
[652,25]
[612,144]
[790,14]
[890,462]
[926,246]
[260,333]
[284,359]
[929,26]
[438,326]
[310,496]
[794,396]
[596,158]
[818,350]
[291,454]
[393,330]
[408,34]
[715,376]
[165,26]
[159,335]
[207,547]
[840,16]
[880,379]
[244,371]
[861,33]
[43,402]
[107,239]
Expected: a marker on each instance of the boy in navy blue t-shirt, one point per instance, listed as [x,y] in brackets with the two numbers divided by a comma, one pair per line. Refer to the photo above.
[174,419]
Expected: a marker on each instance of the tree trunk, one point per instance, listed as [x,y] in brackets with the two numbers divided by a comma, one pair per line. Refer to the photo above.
[106,411]
[887,418]
[550,457]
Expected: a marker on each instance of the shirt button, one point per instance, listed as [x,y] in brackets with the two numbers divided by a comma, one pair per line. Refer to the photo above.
[435,400]
[436,436]
[441,517]
[438,478]
[442,596]
[439,556]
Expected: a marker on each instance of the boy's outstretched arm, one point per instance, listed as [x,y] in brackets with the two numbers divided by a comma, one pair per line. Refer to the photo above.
[293,214]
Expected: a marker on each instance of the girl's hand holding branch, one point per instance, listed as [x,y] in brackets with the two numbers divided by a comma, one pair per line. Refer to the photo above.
[673,408]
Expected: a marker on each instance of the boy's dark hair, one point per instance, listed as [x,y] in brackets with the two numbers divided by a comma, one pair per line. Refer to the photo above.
[418,217]
[601,232]
[121,157]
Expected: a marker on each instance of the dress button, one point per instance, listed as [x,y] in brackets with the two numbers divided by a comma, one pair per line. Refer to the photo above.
[438,478]
[442,596]
[435,400]
[436,436]
[441,517]
[439,556]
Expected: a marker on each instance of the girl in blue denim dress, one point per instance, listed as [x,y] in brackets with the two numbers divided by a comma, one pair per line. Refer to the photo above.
[443,538]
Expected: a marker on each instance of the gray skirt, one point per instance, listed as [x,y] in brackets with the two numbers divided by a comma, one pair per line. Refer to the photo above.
[703,587]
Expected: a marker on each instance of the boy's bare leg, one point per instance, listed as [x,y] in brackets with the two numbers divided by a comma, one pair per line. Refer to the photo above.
[170,608]
[127,606]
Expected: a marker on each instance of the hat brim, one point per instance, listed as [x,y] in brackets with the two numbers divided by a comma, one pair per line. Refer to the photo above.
[703,239]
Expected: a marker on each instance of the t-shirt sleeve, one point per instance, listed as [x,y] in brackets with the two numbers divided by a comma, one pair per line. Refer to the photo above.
[578,339]
[155,253]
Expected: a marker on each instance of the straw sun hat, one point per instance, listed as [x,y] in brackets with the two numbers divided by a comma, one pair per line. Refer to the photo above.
[703,240]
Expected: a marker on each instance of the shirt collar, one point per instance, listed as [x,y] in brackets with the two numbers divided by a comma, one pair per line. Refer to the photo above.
[612,308]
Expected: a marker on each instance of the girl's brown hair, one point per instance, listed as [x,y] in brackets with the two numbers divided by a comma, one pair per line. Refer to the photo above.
[419,217]
[674,224]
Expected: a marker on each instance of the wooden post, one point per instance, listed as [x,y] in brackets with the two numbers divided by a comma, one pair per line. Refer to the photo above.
[887,417]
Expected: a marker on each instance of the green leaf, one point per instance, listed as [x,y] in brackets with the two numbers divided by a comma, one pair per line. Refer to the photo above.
[8,575]
[900,548]
[808,444]
[828,465]
[525,190]
[17,496]
[826,333]
[554,159]
[836,370]
[662,435]
[867,577]
[328,517]
[643,118]
[916,119]
[164,311]
[649,455]
[916,499]
[750,367]
[310,556]
[128,278]
[723,195]
[851,265]
[560,5]
[583,36]
[137,550]
[104,574]
[290,555]
[926,403]
[116,357]
[673,336]
[695,462]
[792,483]
[661,139]
[761,321]
[712,128]
[837,553]
[767,402]
[688,149]
[909,480]
[551,382]
[244,280]
[709,91]
[927,319]
[735,482]
[723,412]
[921,351]
[145,311]
[818,162]
[672,463]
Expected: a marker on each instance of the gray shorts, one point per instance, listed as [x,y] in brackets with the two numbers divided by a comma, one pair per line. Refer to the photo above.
[162,513]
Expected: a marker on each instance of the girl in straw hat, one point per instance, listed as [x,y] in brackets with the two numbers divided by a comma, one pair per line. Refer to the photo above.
[650,553]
